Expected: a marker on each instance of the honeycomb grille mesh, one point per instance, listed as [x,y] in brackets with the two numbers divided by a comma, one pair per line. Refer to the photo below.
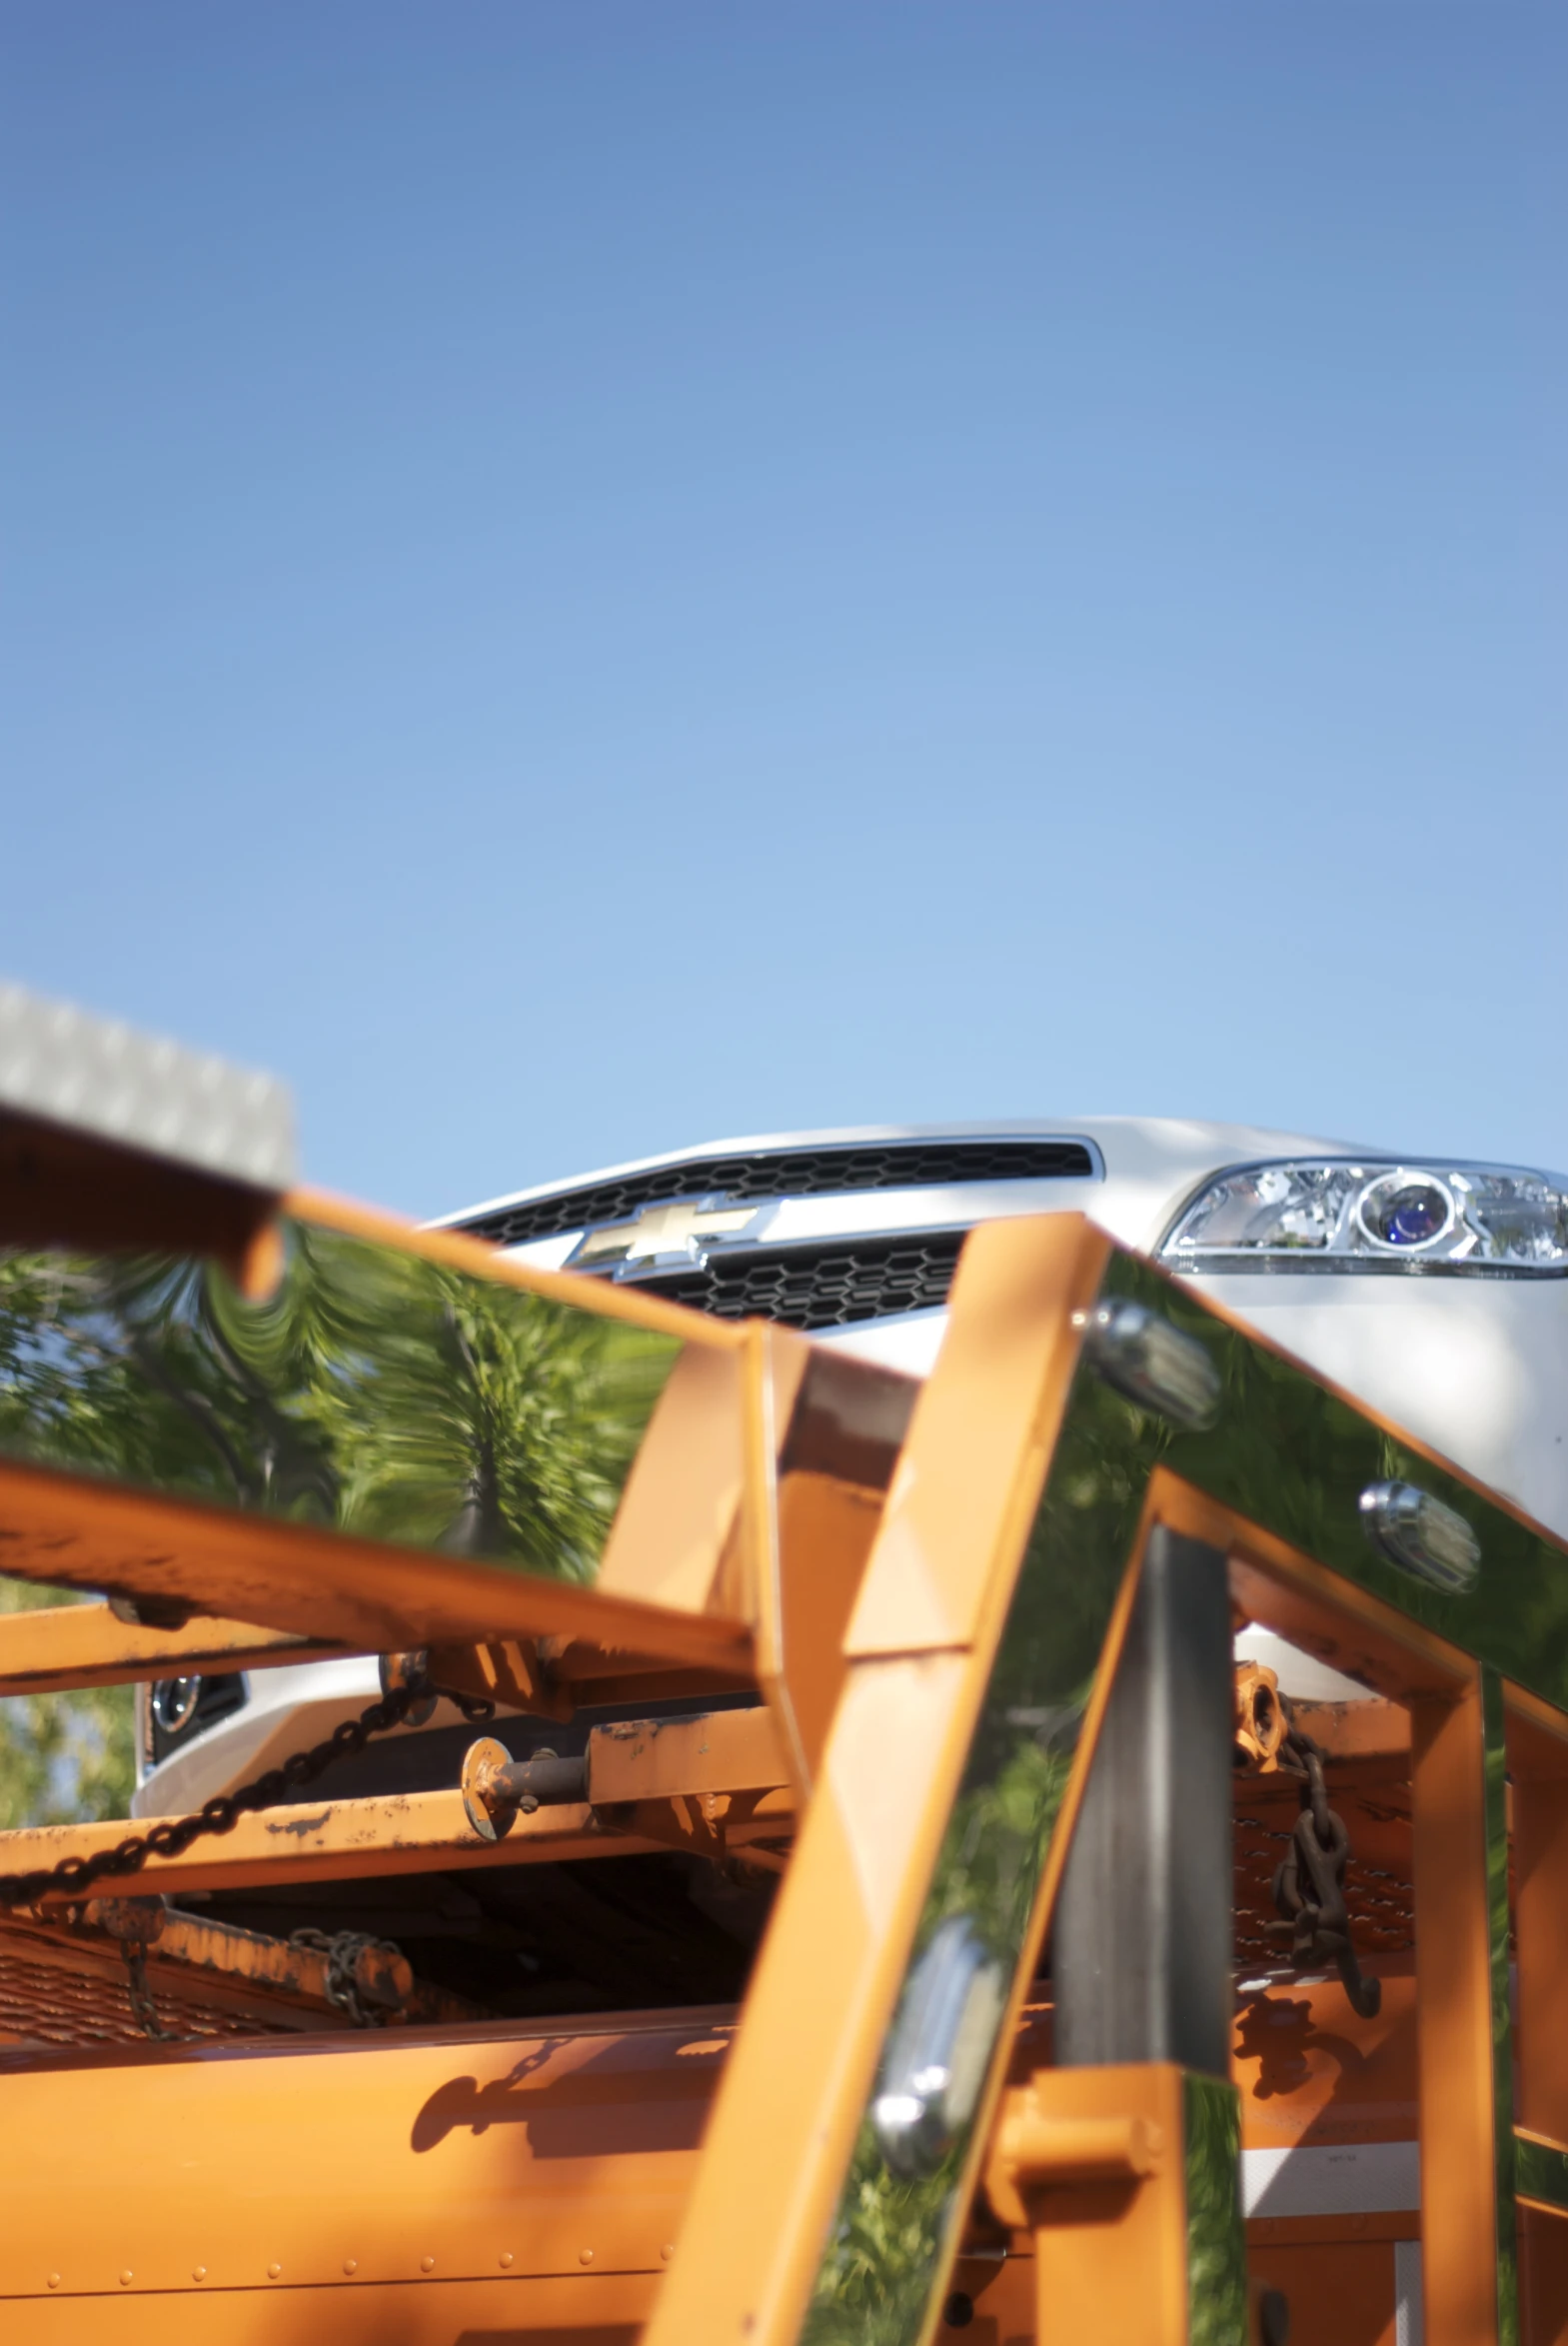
[821,1287]
[790,1172]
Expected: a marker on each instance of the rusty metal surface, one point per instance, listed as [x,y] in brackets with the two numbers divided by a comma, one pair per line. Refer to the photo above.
[52,1993]
[721,1752]
[170,1838]
[65,1978]
[1260,1723]
[415,1832]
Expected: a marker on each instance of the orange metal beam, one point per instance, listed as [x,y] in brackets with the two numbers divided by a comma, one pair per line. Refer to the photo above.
[653,1759]
[417,1832]
[331,1586]
[920,1644]
[730,1759]
[57,1647]
[1458,2121]
[1090,2161]
[407,2186]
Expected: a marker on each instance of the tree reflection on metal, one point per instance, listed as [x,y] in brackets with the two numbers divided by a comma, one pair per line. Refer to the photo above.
[892,2233]
[1216,2235]
[375,1392]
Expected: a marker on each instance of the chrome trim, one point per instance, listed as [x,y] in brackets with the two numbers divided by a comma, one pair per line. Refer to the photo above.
[808,1241]
[681,1161]
[693,1227]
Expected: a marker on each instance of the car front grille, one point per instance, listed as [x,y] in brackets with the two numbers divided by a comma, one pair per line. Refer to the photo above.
[790,1172]
[819,1286]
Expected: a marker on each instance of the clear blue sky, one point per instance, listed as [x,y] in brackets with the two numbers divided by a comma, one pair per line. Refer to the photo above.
[580,578]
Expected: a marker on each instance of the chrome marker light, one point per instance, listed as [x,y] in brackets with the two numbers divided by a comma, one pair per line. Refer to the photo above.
[1153,1364]
[1337,1213]
[1419,1534]
[936,2061]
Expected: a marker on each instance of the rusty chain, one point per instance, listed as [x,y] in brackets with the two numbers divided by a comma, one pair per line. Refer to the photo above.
[172,1836]
[343,1949]
[139,1992]
[1310,1880]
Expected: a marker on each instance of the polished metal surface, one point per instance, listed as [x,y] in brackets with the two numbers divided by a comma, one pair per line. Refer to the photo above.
[374,1392]
[1541,2172]
[1141,1946]
[893,2234]
[1293,1458]
[1494,1761]
[1216,2233]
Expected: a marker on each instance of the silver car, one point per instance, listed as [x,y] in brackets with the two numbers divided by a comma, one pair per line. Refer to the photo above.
[1432,1289]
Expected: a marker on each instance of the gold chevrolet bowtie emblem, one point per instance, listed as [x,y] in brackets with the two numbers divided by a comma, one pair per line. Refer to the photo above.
[671,1233]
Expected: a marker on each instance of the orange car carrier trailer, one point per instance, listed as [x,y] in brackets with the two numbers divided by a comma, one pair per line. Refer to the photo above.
[1101,1995]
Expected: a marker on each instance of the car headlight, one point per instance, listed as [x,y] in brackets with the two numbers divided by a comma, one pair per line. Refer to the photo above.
[1338,1215]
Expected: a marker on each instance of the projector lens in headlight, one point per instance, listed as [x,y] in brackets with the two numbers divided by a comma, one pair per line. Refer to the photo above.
[1401,1212]
[1340,1215]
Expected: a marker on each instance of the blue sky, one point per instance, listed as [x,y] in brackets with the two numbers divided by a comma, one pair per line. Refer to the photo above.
[583,577]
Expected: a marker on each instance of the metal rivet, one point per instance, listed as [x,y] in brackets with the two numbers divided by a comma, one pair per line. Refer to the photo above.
[584,2256]
[126,2279]
[351,2264]
[426,2264]
[199,2273]
[506,2259]
[54,2280]
[273,2271]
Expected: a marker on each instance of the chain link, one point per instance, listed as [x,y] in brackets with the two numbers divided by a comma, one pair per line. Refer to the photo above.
[142,2009]
[172,1836]
[1310,1880]
[343,1949]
